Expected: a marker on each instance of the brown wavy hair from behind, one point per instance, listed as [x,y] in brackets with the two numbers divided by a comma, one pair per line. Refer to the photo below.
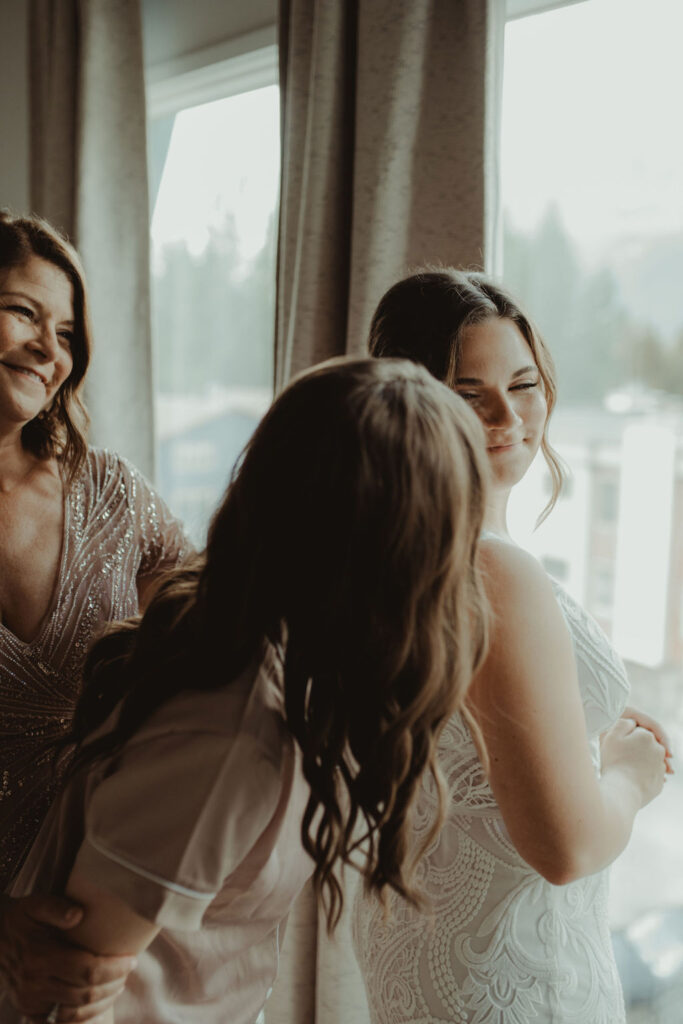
[61,431]
[424,317]
[346,542]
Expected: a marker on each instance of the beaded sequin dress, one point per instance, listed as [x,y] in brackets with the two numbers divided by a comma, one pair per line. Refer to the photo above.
[504,945]
[115,529]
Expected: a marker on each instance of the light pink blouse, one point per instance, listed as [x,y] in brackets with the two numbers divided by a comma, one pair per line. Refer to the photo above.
[116,530]
[197,829]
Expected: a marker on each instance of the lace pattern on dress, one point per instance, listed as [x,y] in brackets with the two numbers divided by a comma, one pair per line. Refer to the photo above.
[500,945]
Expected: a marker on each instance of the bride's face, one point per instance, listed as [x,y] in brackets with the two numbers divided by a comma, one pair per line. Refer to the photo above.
[498,376]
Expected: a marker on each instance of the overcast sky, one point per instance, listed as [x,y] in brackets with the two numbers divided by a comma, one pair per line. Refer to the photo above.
[232,149]
[593,119]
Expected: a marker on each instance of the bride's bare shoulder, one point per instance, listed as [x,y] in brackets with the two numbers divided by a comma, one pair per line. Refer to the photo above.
[508,569]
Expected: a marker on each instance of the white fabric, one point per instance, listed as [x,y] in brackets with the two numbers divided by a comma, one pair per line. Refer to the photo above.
[196,826]
[89,178]
[504,946]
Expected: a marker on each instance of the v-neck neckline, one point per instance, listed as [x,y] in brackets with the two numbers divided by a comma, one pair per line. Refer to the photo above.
[54,599]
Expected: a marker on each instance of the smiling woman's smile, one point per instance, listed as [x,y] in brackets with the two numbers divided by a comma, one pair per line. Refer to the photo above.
[24,371]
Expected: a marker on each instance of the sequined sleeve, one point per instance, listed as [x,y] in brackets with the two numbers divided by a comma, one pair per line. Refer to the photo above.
[160,535]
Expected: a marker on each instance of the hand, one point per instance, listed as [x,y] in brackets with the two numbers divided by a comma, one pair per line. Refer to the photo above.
[38,966]
[645,721]
[637,753]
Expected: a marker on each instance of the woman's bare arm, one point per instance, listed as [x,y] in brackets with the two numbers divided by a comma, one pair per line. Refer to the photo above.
[562,819]
[40,967]
[108,925]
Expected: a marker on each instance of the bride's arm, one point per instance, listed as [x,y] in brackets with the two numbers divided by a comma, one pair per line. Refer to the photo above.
[563,820]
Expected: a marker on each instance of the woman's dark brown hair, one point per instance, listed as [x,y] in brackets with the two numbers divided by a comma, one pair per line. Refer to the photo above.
[424,317]
[346,543]
[59,431]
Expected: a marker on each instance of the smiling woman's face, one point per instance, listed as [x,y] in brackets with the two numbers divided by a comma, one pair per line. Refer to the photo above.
[36,333]
[498,376]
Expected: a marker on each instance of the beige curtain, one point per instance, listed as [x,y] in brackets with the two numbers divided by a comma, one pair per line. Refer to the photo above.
[390,128]
[390,125]
[89,177]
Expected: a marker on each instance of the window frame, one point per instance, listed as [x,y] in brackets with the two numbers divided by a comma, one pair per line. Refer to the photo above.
[216,72]
[523,8]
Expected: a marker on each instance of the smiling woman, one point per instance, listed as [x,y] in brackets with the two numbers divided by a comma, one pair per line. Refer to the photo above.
[82,536]
[36,335]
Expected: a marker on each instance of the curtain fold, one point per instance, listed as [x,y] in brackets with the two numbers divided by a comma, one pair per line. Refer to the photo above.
[89,177]
[390,114]
[390,136]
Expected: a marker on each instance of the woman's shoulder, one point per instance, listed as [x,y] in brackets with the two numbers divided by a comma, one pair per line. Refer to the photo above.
[244,711]
[529,604]
[106,460]
[110,476]
[509,572]
[100,465]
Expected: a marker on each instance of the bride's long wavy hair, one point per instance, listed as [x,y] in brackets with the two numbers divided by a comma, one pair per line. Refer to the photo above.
[346,542]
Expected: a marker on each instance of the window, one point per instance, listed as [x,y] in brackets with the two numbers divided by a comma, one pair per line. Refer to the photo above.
[593,247]
[556,567]
[607,498]
[567,488]
[214,149]
[603,587]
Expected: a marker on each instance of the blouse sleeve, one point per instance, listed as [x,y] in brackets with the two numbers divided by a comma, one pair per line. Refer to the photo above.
[161,536]
[175,819]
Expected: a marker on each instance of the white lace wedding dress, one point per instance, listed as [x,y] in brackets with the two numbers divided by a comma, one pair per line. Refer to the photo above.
[503,946]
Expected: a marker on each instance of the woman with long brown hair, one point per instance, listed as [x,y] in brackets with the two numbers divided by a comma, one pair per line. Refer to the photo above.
[290,685]
[516,924]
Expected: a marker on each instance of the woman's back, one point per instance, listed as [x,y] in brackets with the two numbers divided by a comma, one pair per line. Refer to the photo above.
[346,541]
[199,829]
[504,945]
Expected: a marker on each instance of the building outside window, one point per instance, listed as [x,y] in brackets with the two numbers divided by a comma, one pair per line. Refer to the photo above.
[593,247]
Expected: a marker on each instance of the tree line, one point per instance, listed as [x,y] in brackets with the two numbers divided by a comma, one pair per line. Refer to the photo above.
[214,316]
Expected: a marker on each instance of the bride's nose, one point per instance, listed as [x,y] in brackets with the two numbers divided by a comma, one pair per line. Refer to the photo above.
[500,412]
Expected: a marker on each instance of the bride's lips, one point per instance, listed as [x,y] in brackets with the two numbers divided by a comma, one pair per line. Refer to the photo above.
[504,447]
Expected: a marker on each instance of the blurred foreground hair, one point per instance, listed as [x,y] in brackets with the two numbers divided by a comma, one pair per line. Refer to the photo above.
[346,544]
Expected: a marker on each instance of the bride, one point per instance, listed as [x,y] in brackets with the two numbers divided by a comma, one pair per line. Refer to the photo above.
[545,778]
